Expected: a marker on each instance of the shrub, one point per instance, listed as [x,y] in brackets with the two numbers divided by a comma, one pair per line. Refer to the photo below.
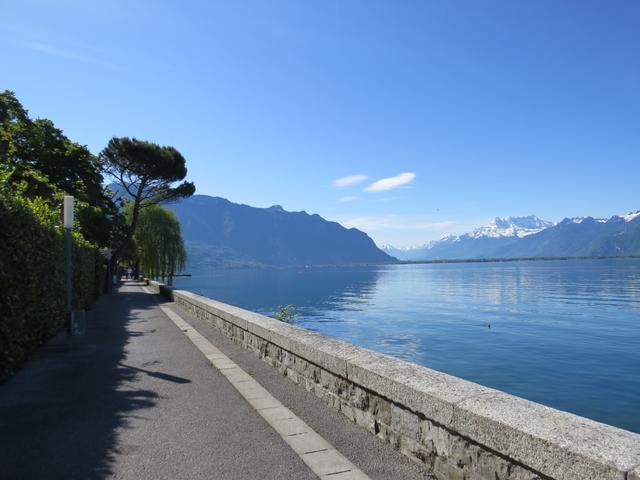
[286,314]
[32,276]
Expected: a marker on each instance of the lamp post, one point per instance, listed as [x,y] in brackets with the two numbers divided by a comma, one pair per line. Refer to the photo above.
[68,225]
[107,253]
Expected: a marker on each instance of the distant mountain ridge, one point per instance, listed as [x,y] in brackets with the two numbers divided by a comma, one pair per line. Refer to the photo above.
[530,236]
[222,233]
[511,227]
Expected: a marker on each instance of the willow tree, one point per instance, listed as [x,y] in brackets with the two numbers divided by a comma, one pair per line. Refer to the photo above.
[158,242]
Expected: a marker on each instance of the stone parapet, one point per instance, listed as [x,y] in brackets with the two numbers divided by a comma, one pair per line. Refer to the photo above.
[458,429]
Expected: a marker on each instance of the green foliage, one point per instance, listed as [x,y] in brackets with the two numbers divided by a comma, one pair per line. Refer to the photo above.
[32,274]
[38,166]
[158,242]
[146,172]
[44,163]
[286,314]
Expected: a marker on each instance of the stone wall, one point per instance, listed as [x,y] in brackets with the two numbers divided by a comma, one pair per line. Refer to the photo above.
[458,429]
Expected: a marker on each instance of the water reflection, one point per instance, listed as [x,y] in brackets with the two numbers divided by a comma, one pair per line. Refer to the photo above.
[565,334]
[315,291]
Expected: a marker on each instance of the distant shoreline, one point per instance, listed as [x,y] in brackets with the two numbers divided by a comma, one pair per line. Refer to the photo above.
[514,259]
[399,262]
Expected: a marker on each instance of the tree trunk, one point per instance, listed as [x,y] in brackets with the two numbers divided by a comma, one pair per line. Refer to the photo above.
[129,238]
[112,268]
[136,269]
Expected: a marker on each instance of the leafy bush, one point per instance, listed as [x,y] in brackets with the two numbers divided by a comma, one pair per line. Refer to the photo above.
[286,314]
[32,275]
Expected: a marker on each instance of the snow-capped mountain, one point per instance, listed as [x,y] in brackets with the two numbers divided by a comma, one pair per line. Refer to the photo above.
[631,216]
[403,253]
[511,227]
[476,244]
[583,237]
[533,237]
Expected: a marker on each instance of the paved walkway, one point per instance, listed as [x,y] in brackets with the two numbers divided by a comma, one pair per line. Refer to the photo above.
[135,399]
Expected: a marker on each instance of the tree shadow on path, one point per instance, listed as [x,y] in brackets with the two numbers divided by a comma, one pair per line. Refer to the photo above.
[156,374]
[59,415]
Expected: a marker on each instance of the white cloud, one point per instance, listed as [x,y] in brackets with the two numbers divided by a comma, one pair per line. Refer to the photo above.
[347,199]
[391,182]
[57,52]
[396,222]
[350,180]
[54,51]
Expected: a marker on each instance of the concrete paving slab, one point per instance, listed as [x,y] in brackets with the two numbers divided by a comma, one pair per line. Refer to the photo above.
[344,476]
[264,403]
[290,426]
[279,413]
[327,462]
[308,442]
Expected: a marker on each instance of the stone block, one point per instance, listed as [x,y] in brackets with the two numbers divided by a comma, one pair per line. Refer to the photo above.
[445,471]
[327,462]
[634,474]
[431,393]
[404,422]
[557,444]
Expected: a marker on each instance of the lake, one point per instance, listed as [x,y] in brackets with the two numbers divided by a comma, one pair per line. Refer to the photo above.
[562,333]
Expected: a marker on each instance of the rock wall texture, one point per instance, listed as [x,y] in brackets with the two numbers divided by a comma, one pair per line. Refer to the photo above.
[459,429]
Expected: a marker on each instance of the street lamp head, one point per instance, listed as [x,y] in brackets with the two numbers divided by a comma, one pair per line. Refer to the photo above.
[106,252]
[68,212]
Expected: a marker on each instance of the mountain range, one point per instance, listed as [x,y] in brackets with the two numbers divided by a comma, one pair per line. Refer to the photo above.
[218,232]
[526,237]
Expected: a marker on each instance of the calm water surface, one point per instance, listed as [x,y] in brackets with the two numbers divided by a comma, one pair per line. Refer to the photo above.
[562,333]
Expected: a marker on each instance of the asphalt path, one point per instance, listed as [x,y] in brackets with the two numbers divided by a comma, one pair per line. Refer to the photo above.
[135,399]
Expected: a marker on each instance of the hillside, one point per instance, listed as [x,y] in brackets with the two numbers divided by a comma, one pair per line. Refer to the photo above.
[219,232]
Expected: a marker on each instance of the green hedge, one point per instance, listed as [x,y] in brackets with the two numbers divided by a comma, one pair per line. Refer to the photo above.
[32,276]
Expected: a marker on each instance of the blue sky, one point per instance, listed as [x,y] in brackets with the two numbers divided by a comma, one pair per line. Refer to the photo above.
[469,110]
